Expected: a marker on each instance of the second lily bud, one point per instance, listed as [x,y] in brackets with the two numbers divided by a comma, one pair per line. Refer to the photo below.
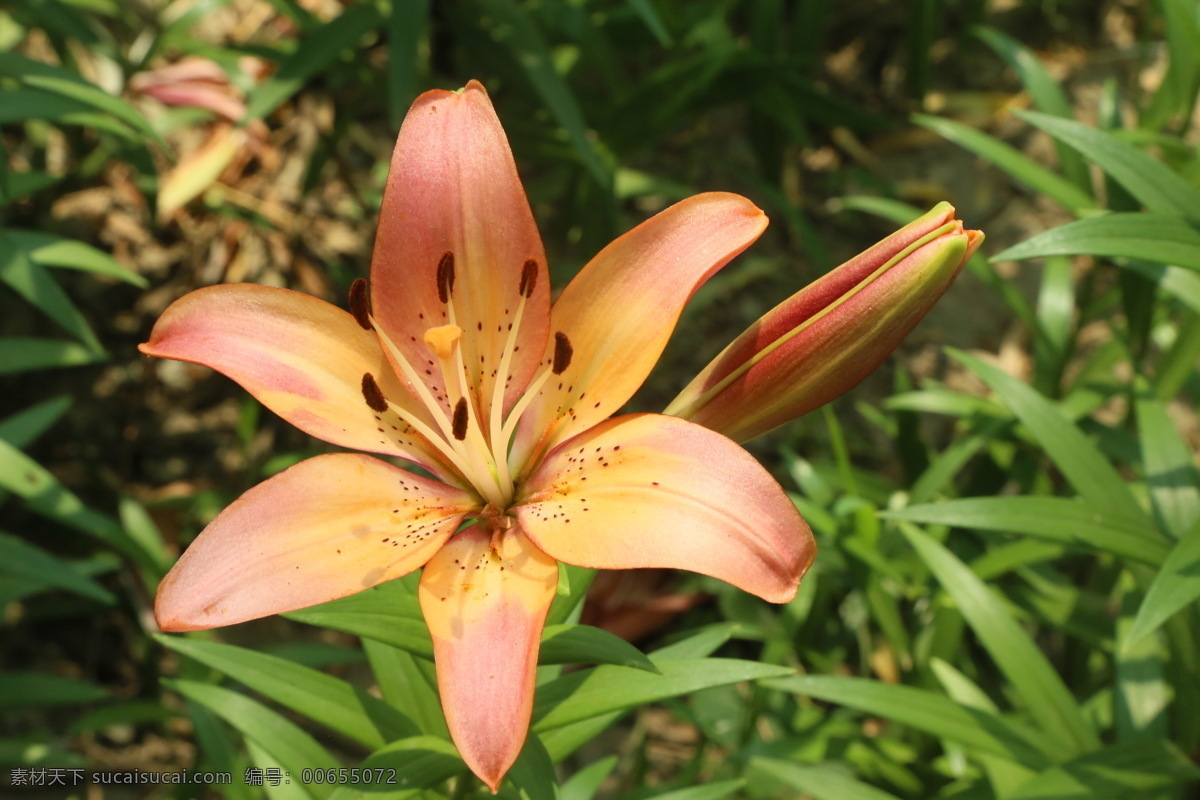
[823,340]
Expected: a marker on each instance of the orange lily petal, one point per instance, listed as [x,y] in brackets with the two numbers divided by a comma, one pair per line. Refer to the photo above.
[301,357]
[619,312]
[485,601]
[646,490]
[326,528]
[453,188]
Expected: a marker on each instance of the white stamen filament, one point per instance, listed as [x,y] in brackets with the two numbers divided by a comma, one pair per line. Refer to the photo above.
[467,460]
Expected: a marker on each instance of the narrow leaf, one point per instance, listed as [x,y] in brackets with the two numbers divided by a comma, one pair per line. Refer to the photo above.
[584,644]
[1045,696]
[589,693]
[821,781]
[1057,519]
[323,698]
[1079,460]
[1125,770]
[286,742]
[1151,237]
[1176,585]
[927,711]
[1011,160]
[1155,185]
[18,558]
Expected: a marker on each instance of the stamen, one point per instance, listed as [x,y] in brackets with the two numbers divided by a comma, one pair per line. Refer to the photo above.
[528,278]
[373,394]
[445,276]
[459,425]
[562,353]
[360,304]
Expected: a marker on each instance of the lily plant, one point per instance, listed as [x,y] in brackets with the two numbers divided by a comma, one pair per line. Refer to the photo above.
[454,359]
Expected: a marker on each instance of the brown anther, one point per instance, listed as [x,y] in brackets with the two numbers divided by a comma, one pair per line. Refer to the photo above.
[562,353]
[445,276]
[459,425]
[528,278]
[360,304]
[372,393]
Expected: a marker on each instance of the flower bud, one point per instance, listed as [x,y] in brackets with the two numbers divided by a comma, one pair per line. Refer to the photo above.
[823,340]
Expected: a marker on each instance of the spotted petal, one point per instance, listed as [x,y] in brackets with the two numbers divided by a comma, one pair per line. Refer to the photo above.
[453,188]
[301,357]
[326,528]
[645,490]
[619,312]
[485,603]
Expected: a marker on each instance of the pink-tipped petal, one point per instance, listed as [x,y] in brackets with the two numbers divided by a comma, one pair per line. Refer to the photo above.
[485,600]
[645,490]
[301,357]
[619,312]
[453,189]
[326,528]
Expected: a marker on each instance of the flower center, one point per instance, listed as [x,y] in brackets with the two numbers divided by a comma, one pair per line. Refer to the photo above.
[470,431]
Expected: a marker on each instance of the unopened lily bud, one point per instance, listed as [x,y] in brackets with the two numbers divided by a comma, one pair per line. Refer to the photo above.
[823,340]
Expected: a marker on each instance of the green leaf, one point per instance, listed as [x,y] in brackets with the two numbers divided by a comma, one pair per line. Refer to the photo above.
[1046,697]
[283,740]
[1184,284]
[520,37]
[29,480]
[420,762]
[37,690]
[702,642]
[57,80]
[1078,459]
[316,50]
[533,772]
[27,354]
[711,791]
[1150,237]
[645,9]
[21,105]
[584,644]
[34,283]
[56,251]
[589,693]
[1170,468]
[19,559]
[926,711]
[386,613]
[584,784]
[1046,92]
[1176,585]
[1120,771]
[1012,161]
[1058,519]
[1155,185]
[323,698]
[820,781]
[406,24]
[24,427]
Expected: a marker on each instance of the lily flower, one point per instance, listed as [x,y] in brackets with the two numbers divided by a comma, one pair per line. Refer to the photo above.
[822,341]
[454,359]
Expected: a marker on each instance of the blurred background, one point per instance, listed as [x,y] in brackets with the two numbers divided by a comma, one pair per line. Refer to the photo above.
[156,146]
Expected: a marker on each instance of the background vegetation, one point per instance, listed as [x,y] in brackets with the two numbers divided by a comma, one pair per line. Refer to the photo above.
[1004,604]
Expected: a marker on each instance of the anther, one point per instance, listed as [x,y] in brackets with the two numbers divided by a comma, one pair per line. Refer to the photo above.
[459,425]
[528,278]
[445,276]
[372,393]
[360,304]
[562,353]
